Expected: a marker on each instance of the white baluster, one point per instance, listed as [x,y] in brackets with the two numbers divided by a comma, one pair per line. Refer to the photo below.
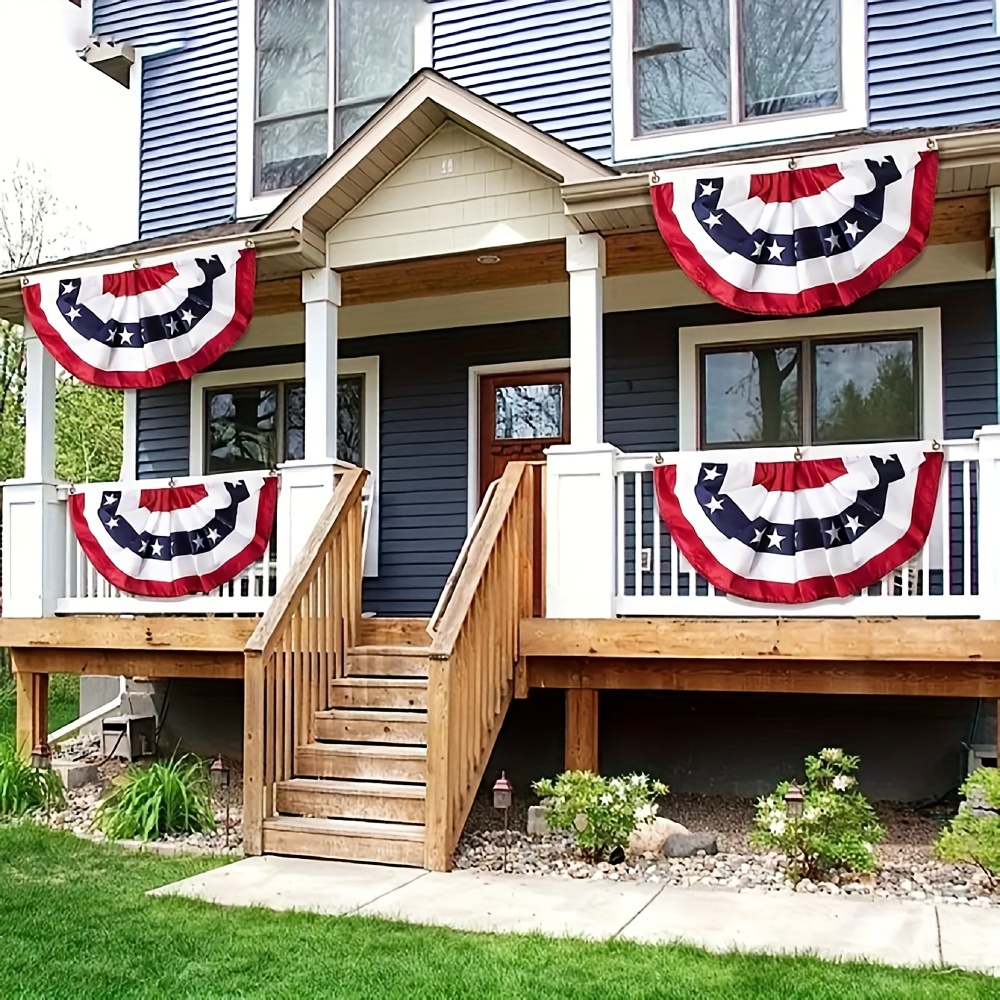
[620,532]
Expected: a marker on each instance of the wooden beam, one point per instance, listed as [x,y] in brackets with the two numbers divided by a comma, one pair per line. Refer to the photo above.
[32,713]
[201,635]
[151,664]
[923,679]
[581,729]
[833,639]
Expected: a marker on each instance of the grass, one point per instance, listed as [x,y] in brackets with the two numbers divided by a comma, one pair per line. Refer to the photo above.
[74,921]
[64,701]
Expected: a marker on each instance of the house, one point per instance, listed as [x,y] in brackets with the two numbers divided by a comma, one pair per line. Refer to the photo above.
[470,357]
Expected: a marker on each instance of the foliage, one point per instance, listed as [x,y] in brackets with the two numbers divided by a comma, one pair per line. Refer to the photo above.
[599,812]
[838,827]
[23,789]
[148,802]
[88,432]
[976,838]
[77,923]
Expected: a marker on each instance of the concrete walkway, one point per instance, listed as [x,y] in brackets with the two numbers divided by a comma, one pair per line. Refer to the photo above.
[896,932]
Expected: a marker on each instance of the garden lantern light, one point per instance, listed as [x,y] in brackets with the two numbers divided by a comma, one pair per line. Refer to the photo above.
[503,798]
[794,798]
[219,773]
[41,757]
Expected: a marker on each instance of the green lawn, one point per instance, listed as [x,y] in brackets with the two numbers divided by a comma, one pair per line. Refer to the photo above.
[64,701]
[74,923]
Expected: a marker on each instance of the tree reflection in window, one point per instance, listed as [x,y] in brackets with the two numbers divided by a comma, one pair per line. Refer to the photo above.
[529,411]
[350,419]
[241,428]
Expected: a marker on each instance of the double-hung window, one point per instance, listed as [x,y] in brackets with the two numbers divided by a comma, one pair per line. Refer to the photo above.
[699,74]
[320,69]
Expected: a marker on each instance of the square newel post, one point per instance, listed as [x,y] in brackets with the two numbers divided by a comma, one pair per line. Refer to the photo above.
[585,262]
[988,503]
[307,485]
[34,519]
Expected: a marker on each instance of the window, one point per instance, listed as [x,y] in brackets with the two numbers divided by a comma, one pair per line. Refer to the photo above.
[821,380]
[810,392]
[322,68]
[531,412]
[257,426]
[696,74]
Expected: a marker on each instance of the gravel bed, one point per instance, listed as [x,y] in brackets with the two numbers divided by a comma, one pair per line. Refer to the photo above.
[77,815]
[907,866]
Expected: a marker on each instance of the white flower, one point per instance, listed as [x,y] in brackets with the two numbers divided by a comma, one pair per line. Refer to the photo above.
[607,799]
[638,779]
[777,827]
[842,782]
[644,813]
[811,814]
[831,753]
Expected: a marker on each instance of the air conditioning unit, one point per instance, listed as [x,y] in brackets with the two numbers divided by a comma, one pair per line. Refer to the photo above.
[981,755]
[128,736]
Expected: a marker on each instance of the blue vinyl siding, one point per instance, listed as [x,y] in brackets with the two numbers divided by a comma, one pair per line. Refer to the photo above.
[188,148]
[933,64]
[424,411]
[546,61]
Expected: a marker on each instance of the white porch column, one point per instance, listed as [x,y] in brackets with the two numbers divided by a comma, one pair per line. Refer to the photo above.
[34,519]
[307,485]
[995,227]
[988,490]
[585,262]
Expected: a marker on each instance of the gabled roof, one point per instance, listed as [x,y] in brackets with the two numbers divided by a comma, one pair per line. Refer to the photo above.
[407,120]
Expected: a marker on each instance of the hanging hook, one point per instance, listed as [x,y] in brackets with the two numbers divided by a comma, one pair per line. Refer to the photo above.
[72,489]
[798,454]
[654,178]
[931,143]
[658,460]
[936,445]
[171,483]
[792,165]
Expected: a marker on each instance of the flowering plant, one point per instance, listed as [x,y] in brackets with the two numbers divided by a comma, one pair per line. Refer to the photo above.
[974,834]
[837,828]
[599,812]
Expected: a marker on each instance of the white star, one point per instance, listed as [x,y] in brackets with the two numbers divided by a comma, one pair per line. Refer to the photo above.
[707,190]
[157,547]
[881,160]
[144,547]
[852,229]
[112,523]
[833,239]
[109,499]
[853,524]
[112,333]
[757,248]
[68,286]
[712,474]
[187,316]
[833,531]
[73,314]
[713,505]
[213,535]
[171,326]
[130,335]
[713,220]
[199,542]
[775,250]
[774,540]
[758,534]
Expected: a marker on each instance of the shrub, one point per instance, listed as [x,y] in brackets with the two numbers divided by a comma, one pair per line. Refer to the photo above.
[23,789]
[974,834]
[838,827]
[145,803]
[599,812]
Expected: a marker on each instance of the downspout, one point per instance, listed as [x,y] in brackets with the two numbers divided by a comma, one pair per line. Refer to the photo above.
[91,716]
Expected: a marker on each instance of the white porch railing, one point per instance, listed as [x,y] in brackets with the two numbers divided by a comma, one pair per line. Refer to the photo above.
[654,578]
[610,553]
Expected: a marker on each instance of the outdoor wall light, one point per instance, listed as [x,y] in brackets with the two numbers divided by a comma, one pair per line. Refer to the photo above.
[794,798]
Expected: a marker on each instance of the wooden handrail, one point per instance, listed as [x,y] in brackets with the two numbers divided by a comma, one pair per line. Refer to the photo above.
[298,648]
[474,653]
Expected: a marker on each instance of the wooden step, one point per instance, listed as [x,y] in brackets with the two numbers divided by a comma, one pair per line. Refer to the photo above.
[347,725]
[366,761]
[346,839]
[394,632]
[385,661]
[367,800]
[378,692]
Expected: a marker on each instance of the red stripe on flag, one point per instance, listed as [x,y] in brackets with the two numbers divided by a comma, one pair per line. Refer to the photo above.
[791,476]
[791,184]
[172,497]
[144,279]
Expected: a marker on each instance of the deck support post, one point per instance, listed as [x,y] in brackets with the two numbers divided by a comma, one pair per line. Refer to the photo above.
[34,519]
[32,718]
[581,729]
[307,485]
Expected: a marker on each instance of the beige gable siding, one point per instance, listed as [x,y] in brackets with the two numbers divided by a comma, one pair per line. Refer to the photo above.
[456,193]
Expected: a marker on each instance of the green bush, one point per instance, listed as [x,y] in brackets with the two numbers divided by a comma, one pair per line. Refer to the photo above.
[838,827]
[146,803]
[971,838]
[599,812]
[23,789]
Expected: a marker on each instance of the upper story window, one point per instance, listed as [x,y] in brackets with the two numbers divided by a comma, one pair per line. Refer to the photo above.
[321,68]
[700,74]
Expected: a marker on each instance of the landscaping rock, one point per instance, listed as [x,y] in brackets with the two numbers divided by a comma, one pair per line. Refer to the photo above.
[538,825]
[652,836]
[687,845]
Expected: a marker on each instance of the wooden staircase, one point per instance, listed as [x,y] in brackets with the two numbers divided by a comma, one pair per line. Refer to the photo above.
[366,739]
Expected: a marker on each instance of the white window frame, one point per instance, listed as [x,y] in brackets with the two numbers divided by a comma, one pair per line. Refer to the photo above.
[628,145]
[371,448]
[249,205]
[475,374]
[927,322]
